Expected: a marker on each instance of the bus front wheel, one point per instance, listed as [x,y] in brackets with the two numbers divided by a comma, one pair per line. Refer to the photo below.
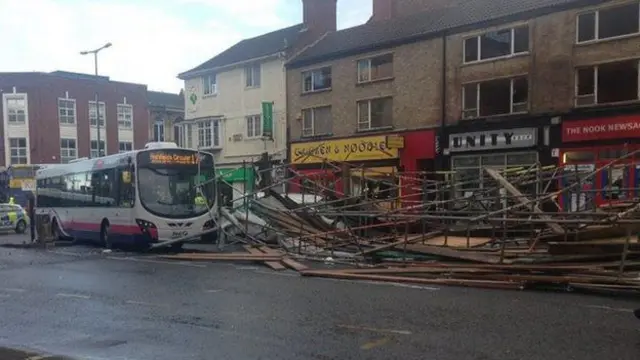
[104,235]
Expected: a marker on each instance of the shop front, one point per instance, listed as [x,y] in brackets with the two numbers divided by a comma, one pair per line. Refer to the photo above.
[611,143]
[234,183]
[375,162]
[471,152]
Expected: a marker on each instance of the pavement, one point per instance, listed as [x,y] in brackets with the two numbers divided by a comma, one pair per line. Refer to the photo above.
[85,304]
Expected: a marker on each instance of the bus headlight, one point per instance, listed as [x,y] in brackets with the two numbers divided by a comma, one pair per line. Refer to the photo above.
[145,225]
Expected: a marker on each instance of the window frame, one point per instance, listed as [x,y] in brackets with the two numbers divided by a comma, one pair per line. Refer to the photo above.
[66,115]
[103,114]
[369,102]
[511,103]
[16,111]
[596,24]
[250,123]
[158,129]
[212,86]
[68,150]
[250,73]
[18,148]
[210,125]
[595,73]
[512,28]
[312,71]
[120,143]
[92,149]
[122,118]
[369,61]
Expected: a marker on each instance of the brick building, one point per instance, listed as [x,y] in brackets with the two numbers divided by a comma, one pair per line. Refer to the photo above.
[496,83]
[51,117]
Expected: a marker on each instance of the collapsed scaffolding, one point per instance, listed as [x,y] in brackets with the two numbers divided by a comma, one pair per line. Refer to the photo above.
[523,227]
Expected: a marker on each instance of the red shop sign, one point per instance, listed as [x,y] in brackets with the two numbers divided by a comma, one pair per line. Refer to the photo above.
[618,127]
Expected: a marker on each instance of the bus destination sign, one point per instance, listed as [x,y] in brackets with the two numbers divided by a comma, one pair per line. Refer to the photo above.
[173,159]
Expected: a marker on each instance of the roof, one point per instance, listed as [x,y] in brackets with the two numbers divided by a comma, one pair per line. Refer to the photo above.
[247,49]
[425,25]
[158,98]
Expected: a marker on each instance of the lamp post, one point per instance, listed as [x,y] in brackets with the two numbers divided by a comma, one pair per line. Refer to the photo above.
[95,61]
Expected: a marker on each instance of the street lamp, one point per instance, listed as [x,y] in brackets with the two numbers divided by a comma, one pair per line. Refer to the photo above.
[95,61]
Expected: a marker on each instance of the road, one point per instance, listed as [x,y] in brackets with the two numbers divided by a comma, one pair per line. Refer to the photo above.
[83,304]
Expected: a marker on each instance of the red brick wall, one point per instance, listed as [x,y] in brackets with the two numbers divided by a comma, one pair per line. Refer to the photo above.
[43,91]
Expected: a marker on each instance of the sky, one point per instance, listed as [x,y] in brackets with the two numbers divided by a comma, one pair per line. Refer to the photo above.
[153,40]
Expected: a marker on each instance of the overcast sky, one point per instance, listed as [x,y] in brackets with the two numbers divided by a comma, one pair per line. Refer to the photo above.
[153,40]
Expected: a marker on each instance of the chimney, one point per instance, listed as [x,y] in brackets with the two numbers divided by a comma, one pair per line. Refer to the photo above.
[383,10]
[319,16]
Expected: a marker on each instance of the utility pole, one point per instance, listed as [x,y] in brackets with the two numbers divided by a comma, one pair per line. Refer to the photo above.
[95,63]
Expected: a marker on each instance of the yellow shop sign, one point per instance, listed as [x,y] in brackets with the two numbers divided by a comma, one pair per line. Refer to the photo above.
[353,149]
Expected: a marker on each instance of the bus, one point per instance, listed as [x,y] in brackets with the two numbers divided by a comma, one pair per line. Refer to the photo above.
[21,182]
[138,198]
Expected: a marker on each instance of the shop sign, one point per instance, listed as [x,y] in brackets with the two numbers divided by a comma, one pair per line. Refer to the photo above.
[618,127]
[493,140]
[395,142]
[235,175]
[353,149]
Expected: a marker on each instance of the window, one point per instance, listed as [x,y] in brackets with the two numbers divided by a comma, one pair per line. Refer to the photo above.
[254,128]
[610,22]
[375,68]
[158,130]
[497,44]
[18,148]
[94,149]
[495,97]
[125,146]
[210,85]
[68,150]
[375,113]
[16,110]
[125,116]
[188,136]
[67,111]
[92,113]
[178,135]
[607,83]
[209,134]
[316,80]
[252,76]
[316,121]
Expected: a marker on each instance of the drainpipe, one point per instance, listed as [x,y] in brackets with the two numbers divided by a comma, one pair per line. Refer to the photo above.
[440,163]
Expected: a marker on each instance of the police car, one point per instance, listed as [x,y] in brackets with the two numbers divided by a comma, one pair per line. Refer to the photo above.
[13,217]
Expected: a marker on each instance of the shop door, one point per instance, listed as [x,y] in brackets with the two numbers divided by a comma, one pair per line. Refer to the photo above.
[619,181]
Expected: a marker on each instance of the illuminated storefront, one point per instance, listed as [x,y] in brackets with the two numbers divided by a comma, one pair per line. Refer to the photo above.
[375,163]
[593,143]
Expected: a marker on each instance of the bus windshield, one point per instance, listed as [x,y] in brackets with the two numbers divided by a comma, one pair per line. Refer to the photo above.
[169,189]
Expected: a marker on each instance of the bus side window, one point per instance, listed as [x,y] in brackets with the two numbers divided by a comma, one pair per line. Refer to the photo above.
[125,187]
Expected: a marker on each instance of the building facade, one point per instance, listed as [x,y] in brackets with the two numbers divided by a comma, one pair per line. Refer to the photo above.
[52,118]
[166,114]
[235,103]
[499,83]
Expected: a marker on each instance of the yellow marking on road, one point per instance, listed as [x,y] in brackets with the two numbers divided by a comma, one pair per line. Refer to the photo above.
[375,343]
[372,329]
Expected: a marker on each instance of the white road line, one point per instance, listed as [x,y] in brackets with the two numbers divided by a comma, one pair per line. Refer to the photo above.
[372,329]
[76,296]
[39,357]
[608,308]
[67,253]
[247,268]
[143,303]
[408,286]
[276,273]
[13,290]
[156,261]
[213,291]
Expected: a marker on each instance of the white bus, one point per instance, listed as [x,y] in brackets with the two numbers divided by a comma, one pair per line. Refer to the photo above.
[138,198]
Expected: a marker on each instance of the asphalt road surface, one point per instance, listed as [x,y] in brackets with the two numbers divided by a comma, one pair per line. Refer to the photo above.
[80,303]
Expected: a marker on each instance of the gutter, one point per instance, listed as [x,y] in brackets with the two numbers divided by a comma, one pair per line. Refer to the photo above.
[191,74]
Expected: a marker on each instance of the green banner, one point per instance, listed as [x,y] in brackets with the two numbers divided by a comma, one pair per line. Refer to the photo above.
[267,119]
[236,175]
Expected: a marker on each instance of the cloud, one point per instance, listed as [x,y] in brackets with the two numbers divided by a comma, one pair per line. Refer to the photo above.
[153,41]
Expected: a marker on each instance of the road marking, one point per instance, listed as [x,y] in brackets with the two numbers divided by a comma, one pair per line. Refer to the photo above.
[247,267]
[13,290]
[213,291]
[603,307]
[4,296]
[76,296]
[67,253]
[277,273]
[408,286]
[39,357]
[375,343]
[372,329]
[143,303]
[156,261]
